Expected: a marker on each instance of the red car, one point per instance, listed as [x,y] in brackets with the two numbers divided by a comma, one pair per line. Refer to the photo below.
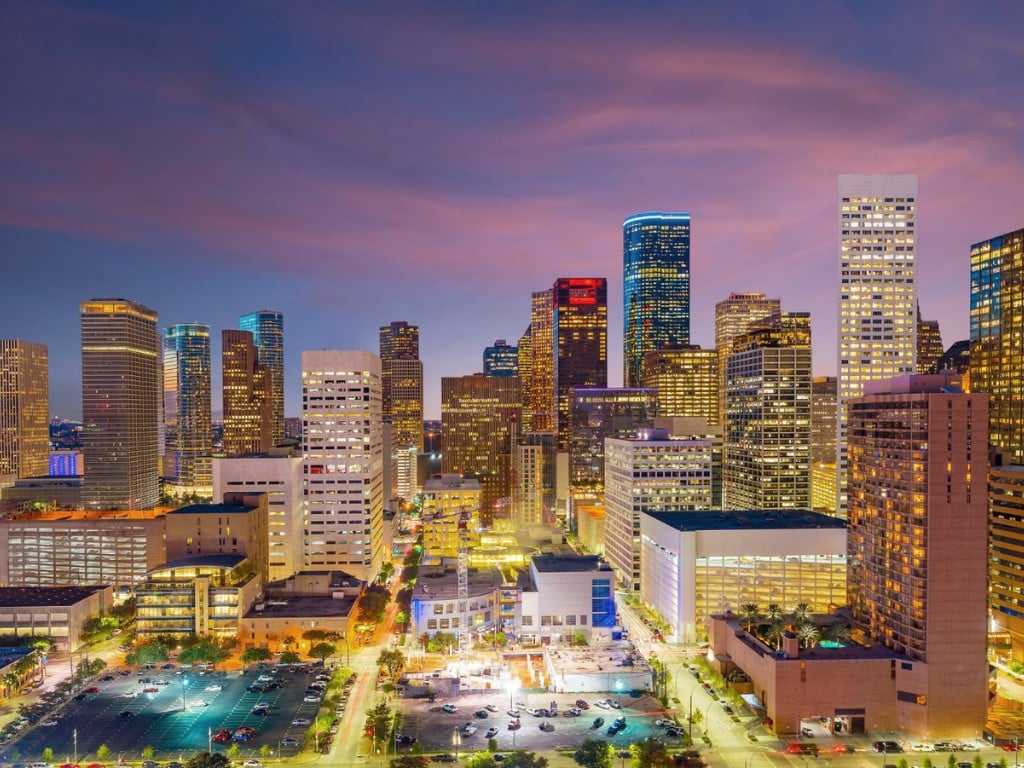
[93,689]
[151,689]
[222,737]
[1011,746]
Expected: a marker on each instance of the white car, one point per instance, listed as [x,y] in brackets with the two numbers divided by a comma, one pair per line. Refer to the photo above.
[923,748]
[311,699]
[198,704]
[215,687]
[468,729]
[300,721]
[603,703]
[968,747]
[252,764]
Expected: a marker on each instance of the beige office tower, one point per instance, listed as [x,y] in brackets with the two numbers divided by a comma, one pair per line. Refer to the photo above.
[451,505]
[402,383]
[823,444]
[525,347]
[121,404]
[539,391]
[245,389]
[686,380]
[478,416]
[877,291]
[652,473]
[768,416]
[343,462]
[528,486]
[918,545]
[24,410]
[733,317]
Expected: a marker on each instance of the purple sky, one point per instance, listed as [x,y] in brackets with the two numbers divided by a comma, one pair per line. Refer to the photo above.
[350,164]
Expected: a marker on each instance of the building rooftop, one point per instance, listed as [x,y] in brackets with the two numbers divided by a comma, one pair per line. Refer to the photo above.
[442,582]
[767,519]
[569,563]
[451,482]
[17,597]
[115,514]
[218,509]
[204,561]
[299,606]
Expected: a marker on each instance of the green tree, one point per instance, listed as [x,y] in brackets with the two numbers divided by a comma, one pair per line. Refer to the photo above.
[266,750]
[775,612]
[594,753]
[322,651]
[372,602]
[481,760]
[442,641]
[48,754]
[903,763]
[102,752]
[952,760]
[808,633]
[978,762]
[522,759]
[650,753]
[234,751]
[749,614]
[378,722]
[393,660]
[579,639]
[801,613]
[206,650]
[314,636]
[207,760]
[492,745]
[838,632]
[776,631]
[147,653]
[255,655]
[407,761]
[927,763]
[289,657]
[147,753]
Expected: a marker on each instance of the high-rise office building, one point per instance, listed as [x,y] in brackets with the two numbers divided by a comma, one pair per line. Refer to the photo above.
[524,364]
[917,540]
[248,420]
[502,359]
[685,379]
[929,343]
[598,414]
[121,404]
[877,291]
[533,482]
[539,390]
[768,416]
[401,372]
[187,419]
[479,417]
[823,420]
[997,337]
[343,462]
[956,358]
[451,504]
[655,287]
[267,329]
[651,473]
[1006,545]
[735,316]
[24,410]
[581,343]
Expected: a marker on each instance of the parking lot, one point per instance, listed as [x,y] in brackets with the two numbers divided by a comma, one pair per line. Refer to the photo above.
[176,712]
[435,729]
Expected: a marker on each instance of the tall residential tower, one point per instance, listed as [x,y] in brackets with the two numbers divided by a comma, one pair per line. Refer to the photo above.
[24,410]
[401,376]
[187,419]
[267,329]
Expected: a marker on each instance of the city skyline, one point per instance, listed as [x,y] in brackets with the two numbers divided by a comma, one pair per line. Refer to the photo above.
[368,166]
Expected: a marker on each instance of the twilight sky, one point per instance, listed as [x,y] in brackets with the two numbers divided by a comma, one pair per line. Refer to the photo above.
[350,164]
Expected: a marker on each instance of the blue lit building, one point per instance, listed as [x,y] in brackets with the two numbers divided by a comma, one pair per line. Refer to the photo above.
[66,463]
[187,418]
[501,360]
[656,287]
[267,329]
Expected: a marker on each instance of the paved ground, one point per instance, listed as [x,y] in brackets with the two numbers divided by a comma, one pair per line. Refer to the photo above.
[176,718]
[435,729]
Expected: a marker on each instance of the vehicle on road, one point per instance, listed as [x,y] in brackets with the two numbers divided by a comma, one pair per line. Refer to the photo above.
[446,757]
[311,699]
[491,707]
[663,722]
[93,688]
[675,732]
[480,714]
[491,732]
[289,742]
[126,713]
[151,689]
[300,721]
[150,764]
[514,713]
[582,704]
[401,738]
[598,722]
[546,727]
[252,764]
[449,708]
[727,709]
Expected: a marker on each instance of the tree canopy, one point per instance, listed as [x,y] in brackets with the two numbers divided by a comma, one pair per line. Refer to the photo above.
[323,650]
[594,753]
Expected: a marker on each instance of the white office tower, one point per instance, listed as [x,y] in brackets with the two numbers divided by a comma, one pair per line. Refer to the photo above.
[877,291]
[528,487]
[405,478]
[652,473]
[277,473]
[343,462]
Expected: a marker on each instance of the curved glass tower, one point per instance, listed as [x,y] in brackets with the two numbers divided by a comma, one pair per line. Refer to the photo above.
[656,287]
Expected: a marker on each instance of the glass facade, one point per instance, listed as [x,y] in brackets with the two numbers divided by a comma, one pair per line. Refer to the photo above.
[187,418]
[401,378]
[656,287]
[997,337]
[581,343]
[501,360]
[24,409]
[686,381]
[267,329]
[246,395]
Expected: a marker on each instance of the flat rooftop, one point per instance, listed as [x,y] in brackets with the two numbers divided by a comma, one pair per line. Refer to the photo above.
[598,659]
[746,520]
[210,509]
[442,582]
[19,597]
[204,561]
[569,563]
[293,606]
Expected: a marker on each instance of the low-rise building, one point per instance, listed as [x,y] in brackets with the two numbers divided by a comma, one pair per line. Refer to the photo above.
[56,612]
[566,595]
[237,526]
[435,599]
[695,564]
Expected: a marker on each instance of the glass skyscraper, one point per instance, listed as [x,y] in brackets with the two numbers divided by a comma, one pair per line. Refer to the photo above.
[267,329]
[501,360]
[187,408]
[580,334]
[656,287]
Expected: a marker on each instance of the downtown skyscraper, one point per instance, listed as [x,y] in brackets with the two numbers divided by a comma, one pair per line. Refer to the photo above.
[656,287]
[121,404]
[401,374]
[342,462]
[24,409]
[187,417]
[997,337]
[538,372]
[245,394]
[267,329]
[580,334]
[877,291]
[735,316]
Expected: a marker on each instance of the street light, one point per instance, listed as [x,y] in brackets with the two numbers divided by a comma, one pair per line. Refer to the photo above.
[689,711]
[456,741]
[184,682]
[707,721]
[618,692]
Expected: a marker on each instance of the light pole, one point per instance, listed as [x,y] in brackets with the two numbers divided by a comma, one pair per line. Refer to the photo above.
[707,721]
[74,736]
[184,682]
[209,739]
[456,741]
[689,715]
[618,693]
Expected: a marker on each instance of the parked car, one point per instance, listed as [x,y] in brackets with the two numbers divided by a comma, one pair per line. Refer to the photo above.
[514,725]
[401,738]
[289,742]
[675,732]
[491,732]
[468,729]
[480,714]
[546,727]
[446,757]
[491,707]
[513,713]
[582,704]
[598,722]
[449,708]
[252,764]
[300,721]
[572,712]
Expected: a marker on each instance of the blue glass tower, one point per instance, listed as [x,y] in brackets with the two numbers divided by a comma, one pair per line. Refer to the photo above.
[501,360]
[656,287]
[187,407]
[267,329]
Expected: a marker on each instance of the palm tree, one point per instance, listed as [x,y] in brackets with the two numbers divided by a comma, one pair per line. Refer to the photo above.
[808,633]
[776,631]
[838,632]
[801,614]
[750,613]
[774,613]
